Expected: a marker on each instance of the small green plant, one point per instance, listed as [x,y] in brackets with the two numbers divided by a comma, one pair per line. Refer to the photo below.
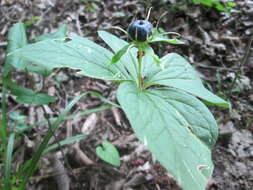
[158,95]
[108,153]
[218,4]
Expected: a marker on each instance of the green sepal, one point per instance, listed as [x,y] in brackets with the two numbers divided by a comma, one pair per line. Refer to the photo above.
[161,37]
[121,52]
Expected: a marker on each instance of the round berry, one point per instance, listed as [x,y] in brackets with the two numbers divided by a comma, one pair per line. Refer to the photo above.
[140,30]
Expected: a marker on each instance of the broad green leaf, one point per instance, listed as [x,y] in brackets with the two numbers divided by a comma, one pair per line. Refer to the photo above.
[16,39]
[27,96]
[74,52]
[108,153]
[38,70]
[128,62]
[176,127]
[60,33]
[178,73]
[120,53]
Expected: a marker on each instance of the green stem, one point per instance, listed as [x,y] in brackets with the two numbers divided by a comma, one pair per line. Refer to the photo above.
[140,52]
[3,122]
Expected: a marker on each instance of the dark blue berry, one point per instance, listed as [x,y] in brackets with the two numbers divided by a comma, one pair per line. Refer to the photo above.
[140,30]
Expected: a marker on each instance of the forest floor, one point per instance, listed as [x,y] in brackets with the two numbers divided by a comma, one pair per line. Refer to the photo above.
[215,44]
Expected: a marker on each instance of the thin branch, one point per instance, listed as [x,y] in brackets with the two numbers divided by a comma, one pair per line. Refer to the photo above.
[159,19]
[242,63]
[214,67]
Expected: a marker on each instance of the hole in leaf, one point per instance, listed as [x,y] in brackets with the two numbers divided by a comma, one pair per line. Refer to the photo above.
[201,167]
[67,40]
[205,170]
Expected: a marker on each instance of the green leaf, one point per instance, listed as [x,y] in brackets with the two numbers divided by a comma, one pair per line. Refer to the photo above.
[102,98]
[73,52]
[178,73]
[60,33]
[219,6]
[67,141]
[108,153]
[150,52]
[128,61]
[168,40]
[38,70]
[120,53]
[27,96]
[8,161]
[35,98]
[16,39]
[231,4]
[208,3]
[176,127]
[16,116]
[3,132]
[32,21]
[81,113]
[157,36]
[216,4]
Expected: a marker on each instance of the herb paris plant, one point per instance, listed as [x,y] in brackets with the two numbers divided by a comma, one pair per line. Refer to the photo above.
[176,126]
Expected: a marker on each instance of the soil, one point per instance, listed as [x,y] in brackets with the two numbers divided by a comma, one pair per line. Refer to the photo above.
[215,44]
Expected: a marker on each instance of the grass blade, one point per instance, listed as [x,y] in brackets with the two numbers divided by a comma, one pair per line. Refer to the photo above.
[43,145]
[102,98]
[3,133]
[81,113]
[69,140]
[7,162]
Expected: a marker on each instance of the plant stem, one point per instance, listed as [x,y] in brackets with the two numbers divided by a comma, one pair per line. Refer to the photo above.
[242,63]
[140,55]
[3,124]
